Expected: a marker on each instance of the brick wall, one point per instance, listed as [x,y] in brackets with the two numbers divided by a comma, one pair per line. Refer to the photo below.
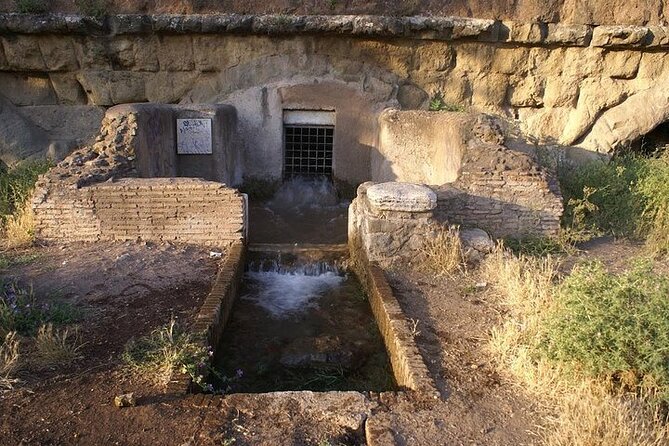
[157,209]
[506,203]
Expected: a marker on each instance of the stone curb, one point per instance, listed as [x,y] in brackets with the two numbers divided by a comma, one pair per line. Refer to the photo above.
[418,27]
[216,308]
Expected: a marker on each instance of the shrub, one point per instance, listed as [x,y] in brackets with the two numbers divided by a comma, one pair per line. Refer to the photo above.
[612,326]
[585,411]
[653,191]
[94,8]
[166,351]
[31,6]
[16,185]
[600,196]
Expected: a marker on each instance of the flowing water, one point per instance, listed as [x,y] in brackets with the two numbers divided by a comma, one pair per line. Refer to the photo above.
[301,321]
[305,326]
[301,211]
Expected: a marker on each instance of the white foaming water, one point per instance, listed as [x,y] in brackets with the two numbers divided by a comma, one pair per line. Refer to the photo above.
[300,193]
[283,293]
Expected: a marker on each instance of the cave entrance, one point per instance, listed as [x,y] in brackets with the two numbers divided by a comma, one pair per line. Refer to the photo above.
[652,143]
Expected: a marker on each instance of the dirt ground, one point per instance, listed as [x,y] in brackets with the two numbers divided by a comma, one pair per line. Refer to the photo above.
[129,289]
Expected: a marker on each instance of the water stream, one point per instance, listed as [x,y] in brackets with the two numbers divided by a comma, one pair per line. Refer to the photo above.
[301,321]
[301,211]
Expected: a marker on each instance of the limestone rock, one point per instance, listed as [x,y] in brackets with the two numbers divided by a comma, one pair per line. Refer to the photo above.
[476,239]
[401,197]
[125,400]
[569,34]
[608,36]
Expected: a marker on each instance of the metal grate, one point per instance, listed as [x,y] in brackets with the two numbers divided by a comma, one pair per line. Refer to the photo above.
[308,150]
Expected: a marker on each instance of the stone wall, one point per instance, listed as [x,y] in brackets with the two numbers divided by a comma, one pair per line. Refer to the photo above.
[481,178]
[562,83]
[178,210]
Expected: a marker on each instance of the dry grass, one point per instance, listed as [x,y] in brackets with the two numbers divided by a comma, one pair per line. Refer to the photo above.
[443,253]
[590,415]
[585,412]
[9,360]
[56,346]
[20,228]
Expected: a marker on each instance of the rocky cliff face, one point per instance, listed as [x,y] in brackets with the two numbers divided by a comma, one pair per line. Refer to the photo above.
[593,12]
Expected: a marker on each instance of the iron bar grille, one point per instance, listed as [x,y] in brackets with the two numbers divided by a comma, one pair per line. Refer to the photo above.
[308,150]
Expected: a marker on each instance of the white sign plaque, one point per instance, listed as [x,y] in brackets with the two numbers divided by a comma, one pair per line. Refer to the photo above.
[194,136]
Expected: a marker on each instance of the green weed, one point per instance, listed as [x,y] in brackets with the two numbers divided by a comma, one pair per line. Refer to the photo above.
[625,197]
[437,103]
[612,326]
[166,351]
[94,8]
[16,185]
[31,6]
[540,246]
[21,312]
[7,260]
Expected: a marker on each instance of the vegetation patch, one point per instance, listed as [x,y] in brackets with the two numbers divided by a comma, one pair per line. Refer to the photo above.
[9,358]
[94,8]
[612,326]
[625,197]
[443,253]
[32,6]
[16,185]
[21,312]
[167,351]
[438,103]
[57,346]
[566,343]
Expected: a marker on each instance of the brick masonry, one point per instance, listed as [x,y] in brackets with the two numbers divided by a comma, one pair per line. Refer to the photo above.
[409,369]
[158,209]
[215,312]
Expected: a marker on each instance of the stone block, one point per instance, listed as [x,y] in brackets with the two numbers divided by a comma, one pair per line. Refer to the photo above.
[135,53]
[474,57]
[113,87]
[619,36]
[658,36]
[58,53]
[527,92]
[519,32]
[92,53]
[561,91]
[401,197]
[511,60]
[169,87]
[489,90]
[27,89]
[211,53]
[561,34]
[622,64]
[23,53]
[175,53]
